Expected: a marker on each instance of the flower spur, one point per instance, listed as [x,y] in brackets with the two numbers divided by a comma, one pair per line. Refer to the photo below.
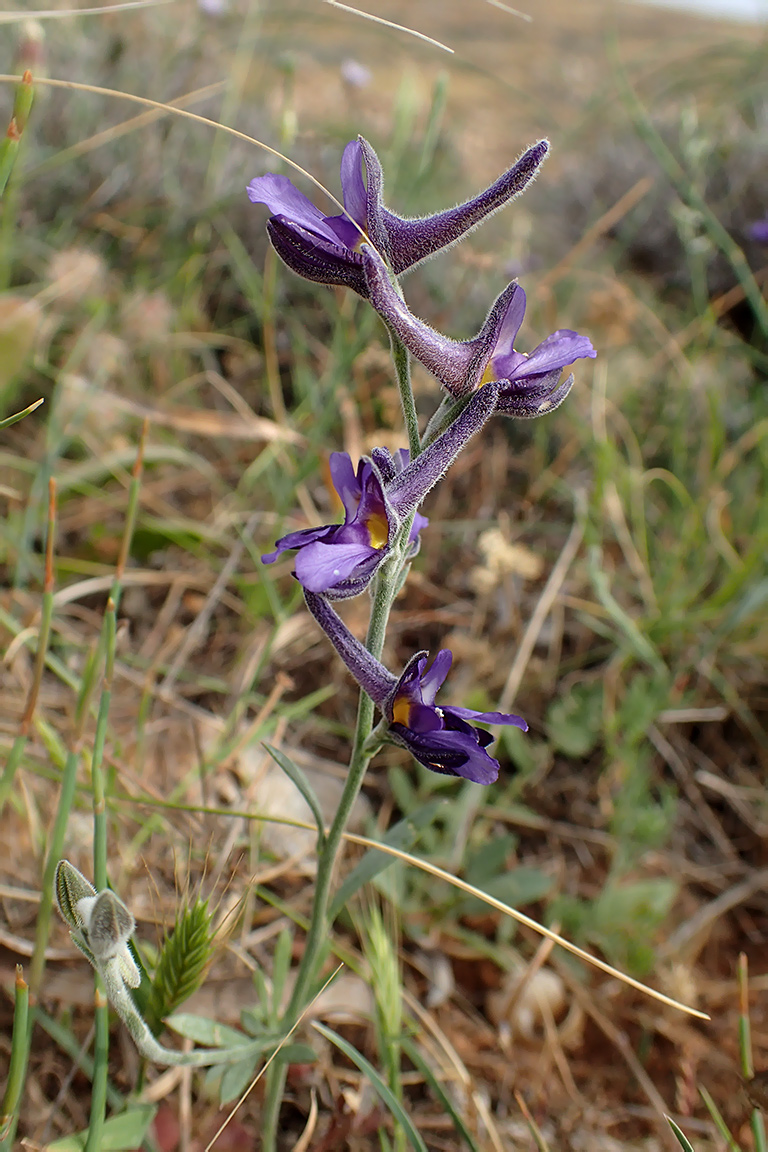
[327,248]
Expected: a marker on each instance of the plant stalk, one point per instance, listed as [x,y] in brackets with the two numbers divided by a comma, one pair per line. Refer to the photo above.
[317,937]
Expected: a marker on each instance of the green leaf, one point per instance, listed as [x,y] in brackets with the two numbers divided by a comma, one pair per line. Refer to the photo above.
[517,887]
[205,1031]
[414,1055]
[681,1138]
[402,835]
[236,1078]
[120,1132]
[281,963]
[296,1054]
[297,777]
[574,722]
[489,859]
[383,1090]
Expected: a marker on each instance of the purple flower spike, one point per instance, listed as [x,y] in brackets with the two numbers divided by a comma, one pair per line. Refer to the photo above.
[529,384]
[441,738]
[340,560]
[327,248]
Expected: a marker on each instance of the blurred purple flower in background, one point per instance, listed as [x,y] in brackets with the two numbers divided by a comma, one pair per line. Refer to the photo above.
[354,74]
[529,384]
[759,231]
[327,248]
[442,738]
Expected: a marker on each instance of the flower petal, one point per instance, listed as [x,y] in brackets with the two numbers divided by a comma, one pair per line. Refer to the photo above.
[298,539]
[283,198]
[487,717]
[433,680]
[319,566]
[352,184]
[557,351]
[345,481]
[450,753]
[323,259]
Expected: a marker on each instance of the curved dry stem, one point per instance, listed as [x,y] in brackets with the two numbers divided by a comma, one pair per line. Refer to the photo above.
[76,86]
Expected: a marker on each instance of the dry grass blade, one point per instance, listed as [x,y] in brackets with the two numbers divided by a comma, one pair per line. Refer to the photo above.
[389,24]
[60,14]
[96,90]
[521,918]
[470,890]
[536,623]
[512,11]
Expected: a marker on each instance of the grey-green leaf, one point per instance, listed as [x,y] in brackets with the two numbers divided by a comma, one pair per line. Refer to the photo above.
[119,1133]
[205,1031]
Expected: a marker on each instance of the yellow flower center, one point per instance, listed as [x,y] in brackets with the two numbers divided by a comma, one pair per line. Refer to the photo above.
[488,376]
[401,712]
[378,530]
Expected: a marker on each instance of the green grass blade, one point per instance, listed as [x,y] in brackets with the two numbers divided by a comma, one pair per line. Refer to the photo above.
[718,1121]
[382,1089]
[416,1058]
[16,1071]
[9,420]
[680,1136]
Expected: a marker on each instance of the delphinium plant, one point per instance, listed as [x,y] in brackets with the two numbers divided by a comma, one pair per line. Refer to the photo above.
[366,248]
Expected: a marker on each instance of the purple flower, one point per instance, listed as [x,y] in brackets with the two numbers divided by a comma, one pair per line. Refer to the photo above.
[529,384]
[442,738]
[327,248]
[759,231]
[339,560]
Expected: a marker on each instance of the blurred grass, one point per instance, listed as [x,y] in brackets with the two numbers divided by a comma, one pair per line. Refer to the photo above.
[139,286]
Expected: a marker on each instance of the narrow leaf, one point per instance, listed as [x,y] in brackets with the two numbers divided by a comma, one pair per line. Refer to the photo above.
[720,1124]
[298,778]
[415,1056]
[383,1090]
[402,835]
[6,423]
[681,1138]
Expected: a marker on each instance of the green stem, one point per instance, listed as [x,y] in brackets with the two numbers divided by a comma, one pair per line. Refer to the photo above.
[444,415]
[101,1009]
[317,937]
[100,1069]
[17,1069]
[402,360]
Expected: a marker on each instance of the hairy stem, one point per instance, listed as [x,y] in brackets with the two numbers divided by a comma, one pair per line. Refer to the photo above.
[402,360]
